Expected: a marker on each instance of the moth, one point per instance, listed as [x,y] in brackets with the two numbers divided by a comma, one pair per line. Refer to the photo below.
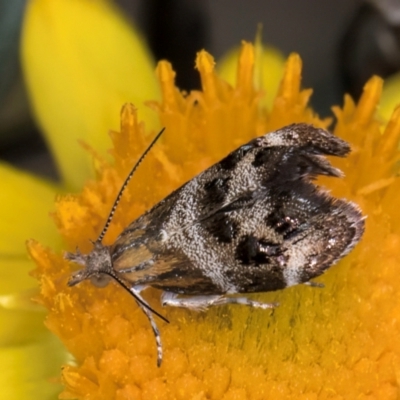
[253,222]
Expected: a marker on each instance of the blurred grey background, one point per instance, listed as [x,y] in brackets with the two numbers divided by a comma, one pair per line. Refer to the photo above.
[342,43]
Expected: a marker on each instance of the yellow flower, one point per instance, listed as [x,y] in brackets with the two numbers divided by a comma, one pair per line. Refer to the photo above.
[77,79]
[336,342]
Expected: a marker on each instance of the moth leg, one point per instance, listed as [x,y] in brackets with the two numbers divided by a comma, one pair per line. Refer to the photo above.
[196,303]
[246,302]
[140,288]
[201,303]
[136,291]
[314,284]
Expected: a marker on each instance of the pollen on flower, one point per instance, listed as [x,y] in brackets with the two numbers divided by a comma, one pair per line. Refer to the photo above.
[336,342]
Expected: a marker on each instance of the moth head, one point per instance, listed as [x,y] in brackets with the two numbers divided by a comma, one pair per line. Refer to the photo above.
[97,266]
[99,270]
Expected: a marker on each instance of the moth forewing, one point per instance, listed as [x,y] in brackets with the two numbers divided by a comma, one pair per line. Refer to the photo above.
[254,222]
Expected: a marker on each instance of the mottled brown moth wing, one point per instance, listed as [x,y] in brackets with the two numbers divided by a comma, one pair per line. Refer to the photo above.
[254,222]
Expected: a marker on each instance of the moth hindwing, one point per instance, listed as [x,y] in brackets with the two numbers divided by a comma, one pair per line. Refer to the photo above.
[254,222]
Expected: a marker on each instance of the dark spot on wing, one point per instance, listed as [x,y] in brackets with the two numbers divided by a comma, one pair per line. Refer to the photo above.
[222,227]
[264,155]
[304,167]
[216,190]
[282,224]
[230,161]
[265,280]
[252,250]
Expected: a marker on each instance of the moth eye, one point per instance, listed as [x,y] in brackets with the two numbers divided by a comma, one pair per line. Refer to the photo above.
[100,280]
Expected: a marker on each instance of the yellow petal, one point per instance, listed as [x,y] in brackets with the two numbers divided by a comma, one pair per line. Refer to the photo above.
[24,212]
[14,278]
[82,61]
[29,371]
[26,203]
[19,322]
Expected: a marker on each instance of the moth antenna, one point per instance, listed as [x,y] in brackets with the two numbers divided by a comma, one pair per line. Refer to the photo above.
[121,191]
[142,303]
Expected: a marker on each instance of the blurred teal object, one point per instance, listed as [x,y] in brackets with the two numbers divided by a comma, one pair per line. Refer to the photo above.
[11,13]
[14,109]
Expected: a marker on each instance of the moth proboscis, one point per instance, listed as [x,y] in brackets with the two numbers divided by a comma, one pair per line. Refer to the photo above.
[253,222]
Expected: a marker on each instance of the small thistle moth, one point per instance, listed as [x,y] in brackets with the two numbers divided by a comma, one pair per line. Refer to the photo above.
[253,222]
